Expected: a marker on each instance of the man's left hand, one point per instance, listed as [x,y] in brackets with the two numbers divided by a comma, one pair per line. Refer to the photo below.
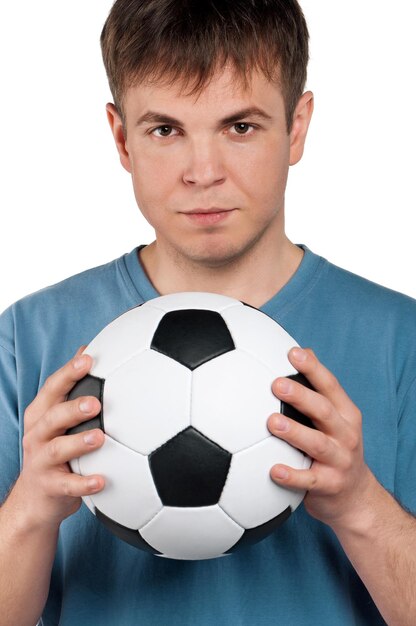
[339,483]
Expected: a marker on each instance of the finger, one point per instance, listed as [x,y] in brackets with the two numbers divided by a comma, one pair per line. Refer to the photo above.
[312,442]
[302,480]
[324,381]
[319,479]
[312,404]
[57,386]
[62,484]
[65,415]
[67,447]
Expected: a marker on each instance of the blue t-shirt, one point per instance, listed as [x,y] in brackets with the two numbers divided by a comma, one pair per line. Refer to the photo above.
[298,576]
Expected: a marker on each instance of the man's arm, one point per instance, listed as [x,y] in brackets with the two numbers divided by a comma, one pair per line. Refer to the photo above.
[26,555]
[381,545]
[45,493]
[378,536]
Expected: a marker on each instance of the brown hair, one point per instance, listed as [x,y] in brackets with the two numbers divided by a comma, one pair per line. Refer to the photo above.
[165,41]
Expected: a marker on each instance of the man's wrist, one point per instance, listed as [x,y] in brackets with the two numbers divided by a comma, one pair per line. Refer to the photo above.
[24,514]
[371,507]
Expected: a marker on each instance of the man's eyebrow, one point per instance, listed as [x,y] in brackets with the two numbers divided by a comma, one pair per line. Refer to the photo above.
[154,117]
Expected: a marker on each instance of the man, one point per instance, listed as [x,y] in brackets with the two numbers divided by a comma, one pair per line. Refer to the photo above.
[209,173]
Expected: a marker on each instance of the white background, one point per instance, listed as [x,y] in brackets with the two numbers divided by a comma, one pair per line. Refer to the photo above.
[66,203]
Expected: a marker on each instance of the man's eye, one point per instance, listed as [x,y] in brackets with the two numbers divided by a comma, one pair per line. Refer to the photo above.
[243,124]
[163,128]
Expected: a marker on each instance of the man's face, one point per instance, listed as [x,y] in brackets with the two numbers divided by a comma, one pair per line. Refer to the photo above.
[201,162]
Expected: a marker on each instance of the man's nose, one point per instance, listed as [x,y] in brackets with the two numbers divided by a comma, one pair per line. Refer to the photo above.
[205,165]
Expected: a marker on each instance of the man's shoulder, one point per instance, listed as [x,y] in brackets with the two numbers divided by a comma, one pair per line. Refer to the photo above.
[97,292]
[82,286]
[364,296]
[371,318]
[90,279]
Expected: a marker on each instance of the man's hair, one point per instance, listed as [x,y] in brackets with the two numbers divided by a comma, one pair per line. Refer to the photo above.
[186,41]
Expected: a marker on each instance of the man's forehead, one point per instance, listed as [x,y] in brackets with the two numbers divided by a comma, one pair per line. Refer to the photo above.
[225,77]
[225,92]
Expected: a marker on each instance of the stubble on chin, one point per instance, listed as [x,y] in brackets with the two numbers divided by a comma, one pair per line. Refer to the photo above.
[213,255]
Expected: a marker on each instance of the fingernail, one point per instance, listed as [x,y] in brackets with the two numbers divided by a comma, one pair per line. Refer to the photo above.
[92,483]
[90,438]
[280,472]
[299,355]
[85,406]
[281,423]
[79,362]
[284,385]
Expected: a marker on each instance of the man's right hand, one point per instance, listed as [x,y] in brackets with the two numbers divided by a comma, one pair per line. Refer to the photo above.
[50,491]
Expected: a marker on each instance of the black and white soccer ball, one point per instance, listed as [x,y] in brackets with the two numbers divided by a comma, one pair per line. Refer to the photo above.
[185,386]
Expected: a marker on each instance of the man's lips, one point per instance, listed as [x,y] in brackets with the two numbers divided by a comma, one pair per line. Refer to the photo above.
[208,216]
[210,210]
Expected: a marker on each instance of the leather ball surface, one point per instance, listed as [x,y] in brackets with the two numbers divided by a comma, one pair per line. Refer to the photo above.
[184,381]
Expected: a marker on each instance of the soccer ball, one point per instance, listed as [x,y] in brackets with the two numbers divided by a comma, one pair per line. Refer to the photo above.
[185,386]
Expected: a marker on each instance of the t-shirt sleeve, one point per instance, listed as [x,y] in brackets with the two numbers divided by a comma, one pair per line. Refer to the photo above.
[9,419]
[405,483]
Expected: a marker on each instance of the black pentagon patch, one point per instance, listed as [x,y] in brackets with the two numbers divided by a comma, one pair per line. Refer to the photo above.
[189,470]
[129,535]
[192,336]
[290,411]
[88,386]
[253,535]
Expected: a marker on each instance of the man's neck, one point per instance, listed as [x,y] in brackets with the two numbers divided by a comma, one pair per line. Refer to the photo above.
[255,280]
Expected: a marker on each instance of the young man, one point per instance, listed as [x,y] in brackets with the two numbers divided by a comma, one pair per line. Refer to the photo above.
[209,169]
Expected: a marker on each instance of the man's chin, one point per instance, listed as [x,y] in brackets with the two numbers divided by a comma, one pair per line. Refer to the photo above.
[212,256]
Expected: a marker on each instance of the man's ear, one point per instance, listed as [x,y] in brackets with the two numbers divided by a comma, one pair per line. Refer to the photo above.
[116,126]
[301,119]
